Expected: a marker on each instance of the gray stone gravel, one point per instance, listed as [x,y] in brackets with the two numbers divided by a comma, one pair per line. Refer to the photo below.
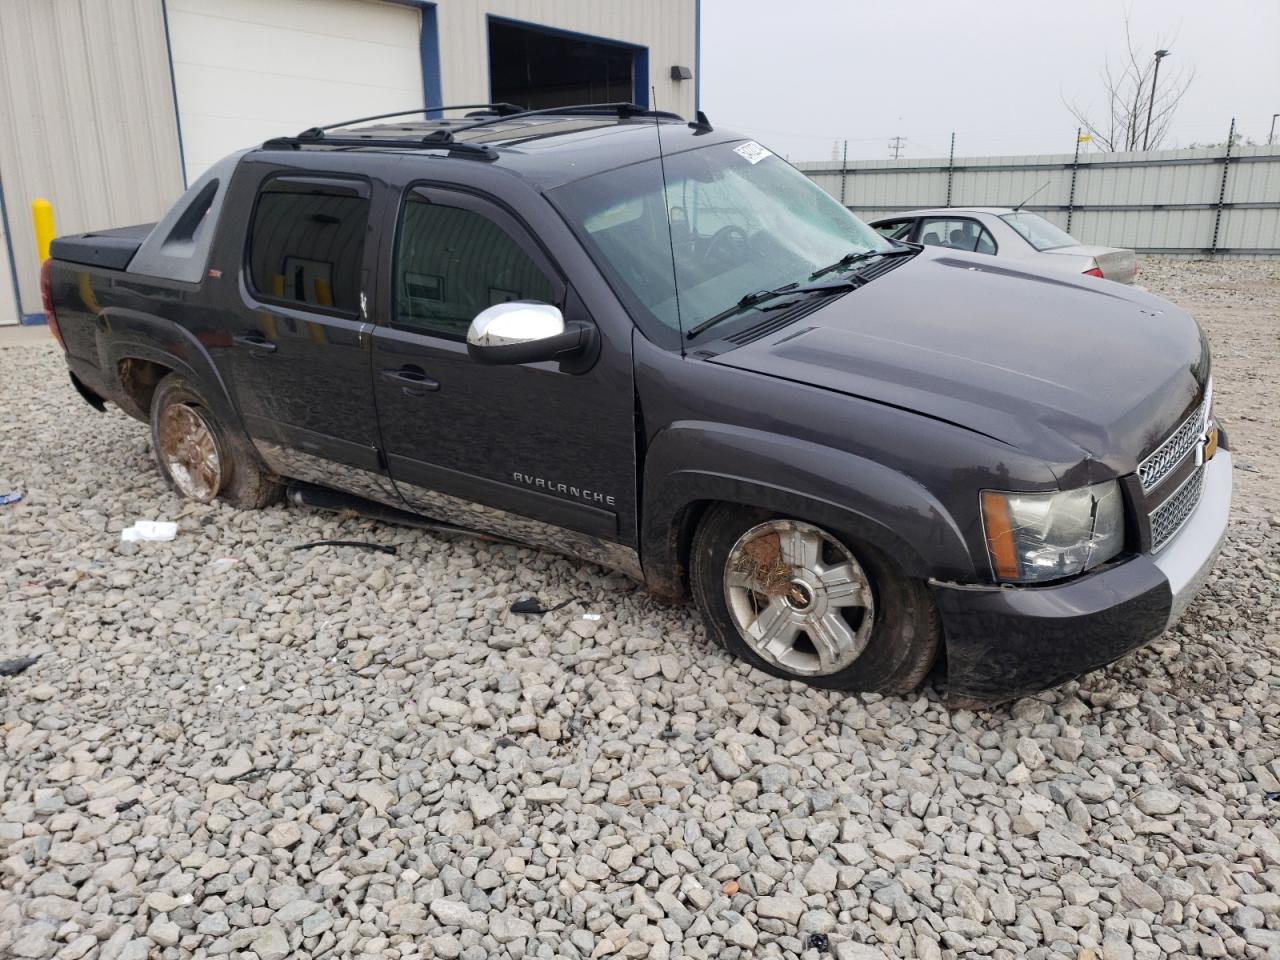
[230,749]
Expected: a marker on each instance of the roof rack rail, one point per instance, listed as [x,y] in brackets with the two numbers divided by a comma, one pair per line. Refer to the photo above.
[439,139]
[436,140]
[502,109]
[620,109]
[443,138]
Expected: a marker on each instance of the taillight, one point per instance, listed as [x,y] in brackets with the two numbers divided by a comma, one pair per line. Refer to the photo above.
[1094,272]
[46,297]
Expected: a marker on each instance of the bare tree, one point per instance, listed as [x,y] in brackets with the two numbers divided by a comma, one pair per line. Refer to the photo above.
[1122,123]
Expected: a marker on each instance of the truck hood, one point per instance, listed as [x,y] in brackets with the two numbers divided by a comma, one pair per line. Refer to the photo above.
[1084,374]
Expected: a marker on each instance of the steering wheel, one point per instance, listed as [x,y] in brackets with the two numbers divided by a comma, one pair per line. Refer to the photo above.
[723,237]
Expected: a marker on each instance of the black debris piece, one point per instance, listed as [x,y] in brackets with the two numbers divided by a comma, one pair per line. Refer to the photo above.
[126,804]
[11,668]
[367,545]
[819,942]
[530,605]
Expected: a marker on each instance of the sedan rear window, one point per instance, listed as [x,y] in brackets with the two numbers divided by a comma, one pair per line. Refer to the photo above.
[1038,231]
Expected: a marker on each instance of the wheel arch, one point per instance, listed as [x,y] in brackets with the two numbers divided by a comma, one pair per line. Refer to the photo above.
[136,350]
[690,466]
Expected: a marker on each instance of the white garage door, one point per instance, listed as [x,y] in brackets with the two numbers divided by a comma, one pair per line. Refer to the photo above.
[249,70]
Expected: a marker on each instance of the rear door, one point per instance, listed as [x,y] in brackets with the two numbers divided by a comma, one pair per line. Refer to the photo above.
[485,445]
[297,349]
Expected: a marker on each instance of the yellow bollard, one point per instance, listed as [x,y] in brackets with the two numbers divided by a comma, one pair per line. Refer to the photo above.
[42,217]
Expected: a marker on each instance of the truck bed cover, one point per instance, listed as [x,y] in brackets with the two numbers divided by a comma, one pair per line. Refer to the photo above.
[112,249]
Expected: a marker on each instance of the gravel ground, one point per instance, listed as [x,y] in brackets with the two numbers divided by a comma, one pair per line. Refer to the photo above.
[230,748]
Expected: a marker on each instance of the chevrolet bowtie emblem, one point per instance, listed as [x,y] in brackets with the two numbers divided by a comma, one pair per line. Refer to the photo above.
[1207,446]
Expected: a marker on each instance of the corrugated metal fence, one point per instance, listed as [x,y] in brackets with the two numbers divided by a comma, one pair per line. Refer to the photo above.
[1198,201]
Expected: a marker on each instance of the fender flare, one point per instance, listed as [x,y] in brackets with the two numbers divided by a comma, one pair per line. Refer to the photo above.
[124,334]
[690,465]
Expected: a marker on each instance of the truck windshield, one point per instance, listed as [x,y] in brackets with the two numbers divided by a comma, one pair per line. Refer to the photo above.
[1038,231]
[742,220]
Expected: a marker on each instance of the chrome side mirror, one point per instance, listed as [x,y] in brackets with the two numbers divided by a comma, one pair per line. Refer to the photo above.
[523,331]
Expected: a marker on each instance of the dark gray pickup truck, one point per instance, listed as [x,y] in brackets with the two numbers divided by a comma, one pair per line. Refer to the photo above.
[657,346]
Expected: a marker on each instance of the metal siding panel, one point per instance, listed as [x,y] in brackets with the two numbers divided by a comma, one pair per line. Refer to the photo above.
[96,136]
[9,312]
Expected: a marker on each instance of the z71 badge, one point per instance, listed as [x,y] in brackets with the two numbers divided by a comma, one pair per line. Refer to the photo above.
[568,489]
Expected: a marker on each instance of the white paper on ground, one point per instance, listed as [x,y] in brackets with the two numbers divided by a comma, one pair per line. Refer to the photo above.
[150,530]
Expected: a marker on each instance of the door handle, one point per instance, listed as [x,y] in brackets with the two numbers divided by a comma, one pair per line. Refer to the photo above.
[413,380]
[254,341]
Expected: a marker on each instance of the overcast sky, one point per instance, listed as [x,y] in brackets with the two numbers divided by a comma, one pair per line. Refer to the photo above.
[802,74]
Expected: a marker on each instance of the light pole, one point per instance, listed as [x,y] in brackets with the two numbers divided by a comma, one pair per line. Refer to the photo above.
[1160,55]
[1272,135]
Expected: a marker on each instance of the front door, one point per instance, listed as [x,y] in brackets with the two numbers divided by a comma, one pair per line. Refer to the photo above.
[532,451]
[299,347]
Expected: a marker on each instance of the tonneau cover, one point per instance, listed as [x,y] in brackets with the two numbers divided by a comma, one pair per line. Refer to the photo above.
[112,249]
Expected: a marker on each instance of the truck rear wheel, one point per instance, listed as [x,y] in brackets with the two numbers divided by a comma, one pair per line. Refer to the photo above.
[801,603]
[198,457]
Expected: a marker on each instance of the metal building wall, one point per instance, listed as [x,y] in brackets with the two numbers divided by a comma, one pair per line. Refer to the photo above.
[666,27]
[86,120]
[1164,201]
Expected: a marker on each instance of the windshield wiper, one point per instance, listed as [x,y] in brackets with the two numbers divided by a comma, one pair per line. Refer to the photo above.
[849,259]
[760,296]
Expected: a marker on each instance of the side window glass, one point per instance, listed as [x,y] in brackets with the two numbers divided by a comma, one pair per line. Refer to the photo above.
[453,263]
[934,233]
[308,247]
[958,234]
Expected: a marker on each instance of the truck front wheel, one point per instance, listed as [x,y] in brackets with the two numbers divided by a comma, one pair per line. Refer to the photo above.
[801,603]
[197,456]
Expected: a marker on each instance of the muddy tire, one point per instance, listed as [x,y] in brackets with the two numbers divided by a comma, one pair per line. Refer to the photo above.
[803,603]
[199,459]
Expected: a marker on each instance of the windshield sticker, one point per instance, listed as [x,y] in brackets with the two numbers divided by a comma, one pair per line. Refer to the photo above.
[752,152]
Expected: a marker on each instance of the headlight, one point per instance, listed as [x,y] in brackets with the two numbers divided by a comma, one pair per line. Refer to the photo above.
[1047,536]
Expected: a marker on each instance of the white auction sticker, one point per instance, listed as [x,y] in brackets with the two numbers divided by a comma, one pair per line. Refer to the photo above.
[751,151]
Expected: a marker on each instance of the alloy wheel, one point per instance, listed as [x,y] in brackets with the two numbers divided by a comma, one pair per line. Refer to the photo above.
[189,450]
[799,597]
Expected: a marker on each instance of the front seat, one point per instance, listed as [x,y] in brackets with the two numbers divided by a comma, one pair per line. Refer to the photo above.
[931,239]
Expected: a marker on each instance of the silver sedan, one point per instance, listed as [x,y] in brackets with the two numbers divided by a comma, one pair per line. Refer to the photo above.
[1006,232]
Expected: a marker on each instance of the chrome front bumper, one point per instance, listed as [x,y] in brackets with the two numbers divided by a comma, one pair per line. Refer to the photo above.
[1188,558]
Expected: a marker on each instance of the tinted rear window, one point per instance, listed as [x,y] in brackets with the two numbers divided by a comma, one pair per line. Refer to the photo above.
[307,247]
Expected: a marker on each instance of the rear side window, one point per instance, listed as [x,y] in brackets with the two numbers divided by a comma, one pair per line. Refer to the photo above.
[307,244]
[958,234]
[452,263]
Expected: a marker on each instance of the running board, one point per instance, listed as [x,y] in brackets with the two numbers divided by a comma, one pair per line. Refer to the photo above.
[324,498]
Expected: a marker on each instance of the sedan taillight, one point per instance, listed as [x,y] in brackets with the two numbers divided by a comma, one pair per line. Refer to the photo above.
[1093,272]
[46,297]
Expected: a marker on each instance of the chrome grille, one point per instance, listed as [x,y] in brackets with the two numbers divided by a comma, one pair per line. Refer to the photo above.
[1169,454]
[1168,518]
